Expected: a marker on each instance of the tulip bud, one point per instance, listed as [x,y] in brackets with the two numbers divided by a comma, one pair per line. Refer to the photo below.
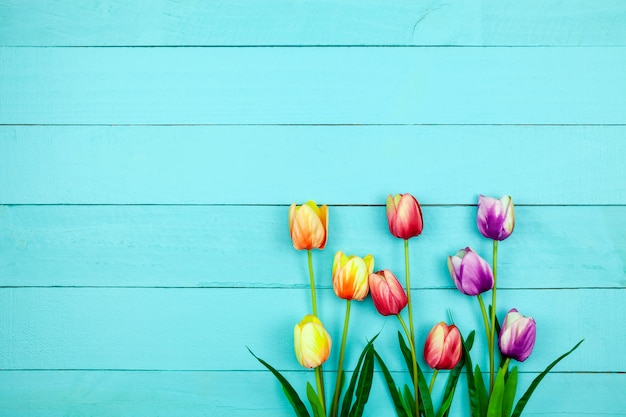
[308,226]
[517,336]
[311,342]
[496,218]
[350,276]
[404,216]
[443,346]
[387,292]
[471,274]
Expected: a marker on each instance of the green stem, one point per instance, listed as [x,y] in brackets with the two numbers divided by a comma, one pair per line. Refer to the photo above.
[492,344]
[312,279]
[414,359]
[333,410]
[485,319]
[319,380]
[408,288]
[432,381]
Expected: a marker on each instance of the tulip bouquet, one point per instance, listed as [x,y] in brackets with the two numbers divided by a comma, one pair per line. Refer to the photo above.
[353,277]
[473,276]
[308,227]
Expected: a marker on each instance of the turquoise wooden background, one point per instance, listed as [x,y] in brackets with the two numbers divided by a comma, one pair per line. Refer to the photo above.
[149,152]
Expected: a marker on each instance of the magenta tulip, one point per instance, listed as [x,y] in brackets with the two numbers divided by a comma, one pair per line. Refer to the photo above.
[443,347]
[471,274]
[496,217]
[387,292]
[517,336]
[404,216]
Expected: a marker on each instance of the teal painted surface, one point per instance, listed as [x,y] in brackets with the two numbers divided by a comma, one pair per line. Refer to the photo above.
[144,189]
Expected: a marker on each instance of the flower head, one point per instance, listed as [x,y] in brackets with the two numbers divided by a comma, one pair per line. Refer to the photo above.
[442,349]
[517,336]
[308,226]
[471,274]
[404,216]
[350,275]
[387,292]
[495,218]
[312,342]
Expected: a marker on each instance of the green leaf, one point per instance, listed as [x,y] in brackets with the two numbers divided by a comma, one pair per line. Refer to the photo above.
[481,392]
[316,404]
[347,399]
[393,390]
[406,353]
[290,393]
[409,401]
[424,393]
[495,401]
[510,386]
[364,386]
[405,403]
[522,401]
[475,410]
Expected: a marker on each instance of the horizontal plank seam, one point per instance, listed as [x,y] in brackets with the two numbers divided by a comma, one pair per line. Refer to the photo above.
[310,124]
[275,205]
[287,45]
[282,287]
[121,370]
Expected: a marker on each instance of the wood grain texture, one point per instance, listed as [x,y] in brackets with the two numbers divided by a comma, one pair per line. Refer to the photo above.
[331,164]
[209,329]
[253,394]
[327,22]
[249,246]
[349,85]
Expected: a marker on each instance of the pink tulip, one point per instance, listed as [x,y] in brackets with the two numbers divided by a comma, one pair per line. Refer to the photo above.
[387,292]
[496,218]
[404,216]
[443,346]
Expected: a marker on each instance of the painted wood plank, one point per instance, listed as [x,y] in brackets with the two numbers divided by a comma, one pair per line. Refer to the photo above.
[209,329]
[344,85]
[255,394]
[331,164]
[284,22]
[217,246]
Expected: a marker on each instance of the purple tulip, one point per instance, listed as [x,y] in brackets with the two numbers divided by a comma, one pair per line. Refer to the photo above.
[496,218]
[517,336]
[471,274]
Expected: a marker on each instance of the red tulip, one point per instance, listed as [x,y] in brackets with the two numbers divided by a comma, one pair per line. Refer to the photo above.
[443,346]
[404,216]
[387,292]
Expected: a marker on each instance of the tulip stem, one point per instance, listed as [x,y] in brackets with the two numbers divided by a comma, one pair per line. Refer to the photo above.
[319,380]
[312,279]
[333,410]
[432,381]
[408,288]
[414,360]
[485,319]
[492,339]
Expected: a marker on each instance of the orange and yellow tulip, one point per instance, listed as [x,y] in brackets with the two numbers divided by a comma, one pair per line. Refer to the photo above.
[312,342]
[308,226]
[350,276]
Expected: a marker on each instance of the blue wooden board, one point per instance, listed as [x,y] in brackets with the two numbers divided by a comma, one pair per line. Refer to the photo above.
[313,85]
[353,165]
[149,151]
[311,22]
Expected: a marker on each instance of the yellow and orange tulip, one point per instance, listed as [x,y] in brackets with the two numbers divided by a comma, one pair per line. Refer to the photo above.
[308,226]
[312,342]
[350,276]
